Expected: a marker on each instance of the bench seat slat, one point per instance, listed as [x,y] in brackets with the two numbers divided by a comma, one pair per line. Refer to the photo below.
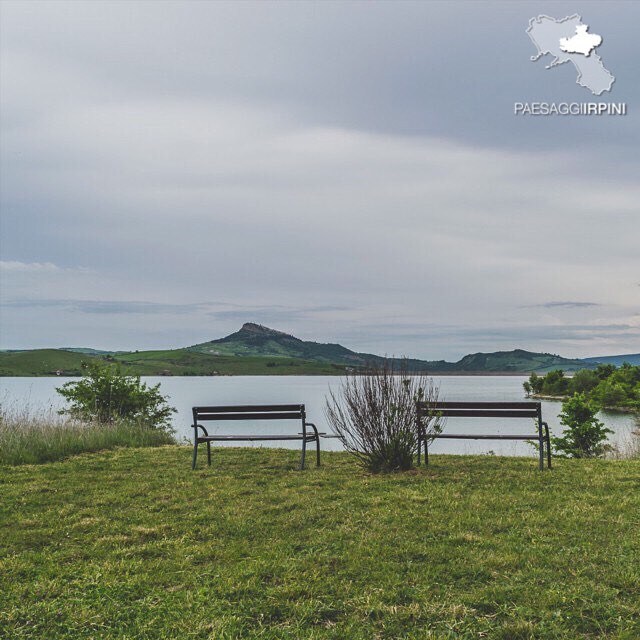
[255,437]
[477,436]
[485,405]
[480,413]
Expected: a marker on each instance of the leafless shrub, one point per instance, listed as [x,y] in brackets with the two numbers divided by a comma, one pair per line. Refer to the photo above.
[374,415]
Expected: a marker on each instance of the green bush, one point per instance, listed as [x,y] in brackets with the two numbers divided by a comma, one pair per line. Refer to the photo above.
[555,383]
[105,394]
[610,393]
[603,371]
[584,380]
[533,385]
[585,436]
[608,386]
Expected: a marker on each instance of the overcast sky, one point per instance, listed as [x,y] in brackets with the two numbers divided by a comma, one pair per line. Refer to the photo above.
[346,172]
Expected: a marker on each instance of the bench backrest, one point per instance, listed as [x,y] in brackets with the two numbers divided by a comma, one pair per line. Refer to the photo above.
[480,409]
[250,412]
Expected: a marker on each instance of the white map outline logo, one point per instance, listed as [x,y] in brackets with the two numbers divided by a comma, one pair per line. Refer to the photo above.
[568,40]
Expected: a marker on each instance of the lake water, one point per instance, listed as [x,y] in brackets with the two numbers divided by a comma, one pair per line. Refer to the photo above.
[185,392]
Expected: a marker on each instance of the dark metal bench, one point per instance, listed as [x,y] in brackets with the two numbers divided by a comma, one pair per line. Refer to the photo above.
[253,412]
[530,410]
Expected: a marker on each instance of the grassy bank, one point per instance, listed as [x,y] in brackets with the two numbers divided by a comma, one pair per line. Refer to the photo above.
[32,438]
[132,544]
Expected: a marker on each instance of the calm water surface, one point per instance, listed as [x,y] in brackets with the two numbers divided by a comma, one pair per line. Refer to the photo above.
[185,392]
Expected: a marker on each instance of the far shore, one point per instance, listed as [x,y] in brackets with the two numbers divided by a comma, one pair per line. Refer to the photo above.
[520,374]
[539,396]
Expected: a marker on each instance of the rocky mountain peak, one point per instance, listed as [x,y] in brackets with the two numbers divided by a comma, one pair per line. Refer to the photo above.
[261,330]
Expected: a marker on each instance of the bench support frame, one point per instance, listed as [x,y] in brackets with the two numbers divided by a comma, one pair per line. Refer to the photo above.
[252,412]
[531,410]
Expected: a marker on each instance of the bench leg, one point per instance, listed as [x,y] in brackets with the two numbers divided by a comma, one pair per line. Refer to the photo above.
[304,452]
[209,453]
[548,439]
[419,449]
[317,451]
[541,451]
[195,455]
[426,453]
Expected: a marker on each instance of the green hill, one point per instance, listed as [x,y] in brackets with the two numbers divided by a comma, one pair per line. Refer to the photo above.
[178,362]
[631,358]
[93,352]
[258,350]
[517,360]
[192,363]
[257,340]
[254,339]
[40,362]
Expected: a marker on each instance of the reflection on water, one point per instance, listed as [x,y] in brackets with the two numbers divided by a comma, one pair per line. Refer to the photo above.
[185,392]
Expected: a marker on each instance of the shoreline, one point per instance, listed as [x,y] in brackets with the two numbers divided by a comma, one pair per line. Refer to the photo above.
[537,396]
[433,374]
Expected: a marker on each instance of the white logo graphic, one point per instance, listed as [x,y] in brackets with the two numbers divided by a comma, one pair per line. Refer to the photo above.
[582,42]
[568,40]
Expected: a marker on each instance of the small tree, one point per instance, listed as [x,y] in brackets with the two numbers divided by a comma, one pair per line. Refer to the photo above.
[583,381]
[374,415]
[555,383]
[603,371]
[106,394]
[610,393]
[534,384]
[585,435]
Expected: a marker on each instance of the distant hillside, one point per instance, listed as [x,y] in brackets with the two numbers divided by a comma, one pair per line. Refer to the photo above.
[177,362]
[631,358]
[517,360]
[255,339]
[40,362]
[94,352]
[258,350]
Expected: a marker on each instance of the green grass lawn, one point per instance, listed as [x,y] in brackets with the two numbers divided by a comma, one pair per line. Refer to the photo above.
[132,544]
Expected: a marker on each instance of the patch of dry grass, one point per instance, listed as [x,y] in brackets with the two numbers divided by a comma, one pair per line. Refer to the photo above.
[30,437]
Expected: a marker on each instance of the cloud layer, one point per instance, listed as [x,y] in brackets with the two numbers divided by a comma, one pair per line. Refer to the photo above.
[338,171]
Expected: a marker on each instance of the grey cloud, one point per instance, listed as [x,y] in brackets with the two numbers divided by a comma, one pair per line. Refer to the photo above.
[399,68]
[321,166]
[569,304]
[273,314]
[106,306]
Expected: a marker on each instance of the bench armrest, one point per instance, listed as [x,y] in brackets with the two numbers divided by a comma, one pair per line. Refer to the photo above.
[313,426]
[199,426]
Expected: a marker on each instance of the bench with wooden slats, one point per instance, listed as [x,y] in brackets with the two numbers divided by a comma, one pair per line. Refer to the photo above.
[253,412]
[530,410]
